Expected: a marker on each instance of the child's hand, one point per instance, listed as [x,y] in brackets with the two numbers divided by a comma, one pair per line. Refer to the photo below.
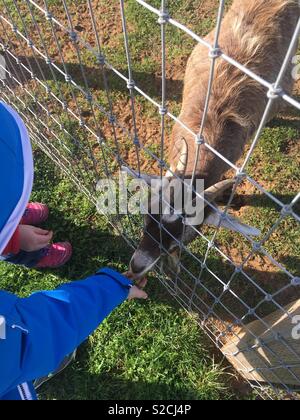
[33,238]
[137,292]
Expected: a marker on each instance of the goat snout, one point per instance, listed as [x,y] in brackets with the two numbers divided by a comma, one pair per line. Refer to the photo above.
[141,263]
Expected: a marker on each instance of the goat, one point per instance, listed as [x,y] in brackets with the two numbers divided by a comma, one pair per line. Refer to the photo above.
[257,34]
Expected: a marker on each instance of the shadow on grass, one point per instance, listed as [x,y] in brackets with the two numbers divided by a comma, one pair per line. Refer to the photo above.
[93,77]
[82,385]
[287,121]
[256,200]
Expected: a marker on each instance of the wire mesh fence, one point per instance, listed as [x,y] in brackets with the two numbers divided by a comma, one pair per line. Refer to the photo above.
[90,114]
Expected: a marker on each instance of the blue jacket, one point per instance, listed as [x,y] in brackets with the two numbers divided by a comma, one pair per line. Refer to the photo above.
[37,333]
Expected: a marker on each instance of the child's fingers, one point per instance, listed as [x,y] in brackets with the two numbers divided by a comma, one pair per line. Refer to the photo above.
[41,232]
[142,283]
[42,244]
[136,293]
[44,240]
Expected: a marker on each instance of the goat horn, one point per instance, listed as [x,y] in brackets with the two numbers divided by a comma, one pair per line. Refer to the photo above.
[182,162]
[170,173]
[183,158]
[216,190]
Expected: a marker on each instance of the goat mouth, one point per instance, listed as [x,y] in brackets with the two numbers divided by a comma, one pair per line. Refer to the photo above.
[139,276]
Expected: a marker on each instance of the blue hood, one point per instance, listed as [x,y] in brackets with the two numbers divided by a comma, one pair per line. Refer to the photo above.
[16,172]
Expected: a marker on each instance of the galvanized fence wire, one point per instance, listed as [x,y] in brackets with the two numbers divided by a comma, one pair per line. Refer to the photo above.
[51,98]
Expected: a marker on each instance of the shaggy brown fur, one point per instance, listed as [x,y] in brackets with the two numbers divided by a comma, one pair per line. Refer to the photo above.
[257,34]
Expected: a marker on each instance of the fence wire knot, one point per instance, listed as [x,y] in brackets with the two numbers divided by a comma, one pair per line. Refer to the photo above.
[89,97]
[275,93]
[215,53]
[73,36]
[199,139]
[238,269]
[257,246]
[295,281]
[161,164]
[48,15]
[164,17]
[240,175]
[136,141]
[130,84]
[100,59]
[112,119]
[286,210]
[163,110]
[68,78]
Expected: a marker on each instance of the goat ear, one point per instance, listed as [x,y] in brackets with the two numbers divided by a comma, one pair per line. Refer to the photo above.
[182,150]
[134,174]
[231,223]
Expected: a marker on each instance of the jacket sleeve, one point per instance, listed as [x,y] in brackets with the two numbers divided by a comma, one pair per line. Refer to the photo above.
[13,246]
[52,324]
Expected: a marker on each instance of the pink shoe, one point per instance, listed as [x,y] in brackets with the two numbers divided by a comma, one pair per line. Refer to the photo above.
[35,214]
[56,256]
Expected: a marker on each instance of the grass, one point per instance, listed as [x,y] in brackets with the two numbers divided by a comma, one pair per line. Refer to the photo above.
[150,350]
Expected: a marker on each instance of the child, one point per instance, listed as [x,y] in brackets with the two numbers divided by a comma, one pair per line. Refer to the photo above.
[30,246]
[38,332]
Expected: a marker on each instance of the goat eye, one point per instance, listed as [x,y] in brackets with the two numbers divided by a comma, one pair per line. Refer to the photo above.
[146,222]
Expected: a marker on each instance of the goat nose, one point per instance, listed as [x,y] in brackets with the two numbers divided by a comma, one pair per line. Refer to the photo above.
[140,262]
[136,267]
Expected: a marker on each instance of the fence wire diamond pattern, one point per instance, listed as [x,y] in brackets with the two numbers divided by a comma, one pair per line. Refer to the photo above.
[63,80]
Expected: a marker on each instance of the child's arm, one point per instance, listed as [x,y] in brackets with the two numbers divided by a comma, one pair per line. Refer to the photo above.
[42,329]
